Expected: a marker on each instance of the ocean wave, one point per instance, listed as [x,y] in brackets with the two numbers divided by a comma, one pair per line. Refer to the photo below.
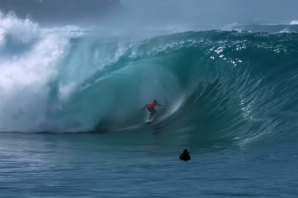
[219,87]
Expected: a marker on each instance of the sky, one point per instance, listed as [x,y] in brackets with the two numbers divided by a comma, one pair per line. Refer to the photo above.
[213,12]
[156,13]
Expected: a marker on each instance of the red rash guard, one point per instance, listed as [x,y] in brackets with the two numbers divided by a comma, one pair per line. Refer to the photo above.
[151,104]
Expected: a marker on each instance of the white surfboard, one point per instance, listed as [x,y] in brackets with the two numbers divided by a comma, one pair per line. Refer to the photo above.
[148,119]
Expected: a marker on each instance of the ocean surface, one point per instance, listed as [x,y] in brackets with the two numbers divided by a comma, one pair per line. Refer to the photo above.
[72,123]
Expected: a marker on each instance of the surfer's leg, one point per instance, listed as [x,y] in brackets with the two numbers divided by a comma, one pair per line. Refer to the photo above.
[152,112]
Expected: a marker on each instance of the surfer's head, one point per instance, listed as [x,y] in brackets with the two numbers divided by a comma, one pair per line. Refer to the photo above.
[155,101]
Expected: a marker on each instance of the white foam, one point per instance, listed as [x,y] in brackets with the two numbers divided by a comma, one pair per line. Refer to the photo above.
[24,77]
[294,22]
[20,30]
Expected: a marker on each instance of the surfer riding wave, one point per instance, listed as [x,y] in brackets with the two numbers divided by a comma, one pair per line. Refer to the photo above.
[151,108]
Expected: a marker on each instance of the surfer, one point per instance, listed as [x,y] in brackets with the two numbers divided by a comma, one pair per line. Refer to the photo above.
[184,155]
[151,107]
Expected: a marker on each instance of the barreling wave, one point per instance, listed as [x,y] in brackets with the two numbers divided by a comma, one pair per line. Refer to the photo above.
[217,86]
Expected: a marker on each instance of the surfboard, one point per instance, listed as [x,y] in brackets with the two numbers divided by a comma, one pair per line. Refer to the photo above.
[148,119]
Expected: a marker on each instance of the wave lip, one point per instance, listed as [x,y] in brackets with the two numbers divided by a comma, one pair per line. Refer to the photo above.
[294,22]
[264,28]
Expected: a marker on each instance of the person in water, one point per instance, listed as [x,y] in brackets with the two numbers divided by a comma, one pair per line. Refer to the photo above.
[151,107]
[184,155]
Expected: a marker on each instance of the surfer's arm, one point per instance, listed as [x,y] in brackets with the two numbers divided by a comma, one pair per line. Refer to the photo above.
[144,107]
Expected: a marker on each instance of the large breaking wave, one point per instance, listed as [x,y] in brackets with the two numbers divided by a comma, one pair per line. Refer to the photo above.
[224,86]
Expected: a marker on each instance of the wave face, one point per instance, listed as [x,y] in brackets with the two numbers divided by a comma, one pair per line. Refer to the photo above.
[217,86]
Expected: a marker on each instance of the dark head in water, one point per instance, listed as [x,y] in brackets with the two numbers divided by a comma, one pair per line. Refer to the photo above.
[184,155]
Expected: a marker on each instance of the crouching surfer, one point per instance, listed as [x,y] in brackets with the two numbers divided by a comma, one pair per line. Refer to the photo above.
[151,108]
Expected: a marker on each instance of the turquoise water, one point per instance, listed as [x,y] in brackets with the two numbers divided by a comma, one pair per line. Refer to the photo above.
[72,123]
[95,165]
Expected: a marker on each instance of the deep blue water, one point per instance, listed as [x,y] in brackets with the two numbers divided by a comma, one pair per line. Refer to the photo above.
[94,165]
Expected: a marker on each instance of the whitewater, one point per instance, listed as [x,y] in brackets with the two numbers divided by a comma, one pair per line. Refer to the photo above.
[72,123]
